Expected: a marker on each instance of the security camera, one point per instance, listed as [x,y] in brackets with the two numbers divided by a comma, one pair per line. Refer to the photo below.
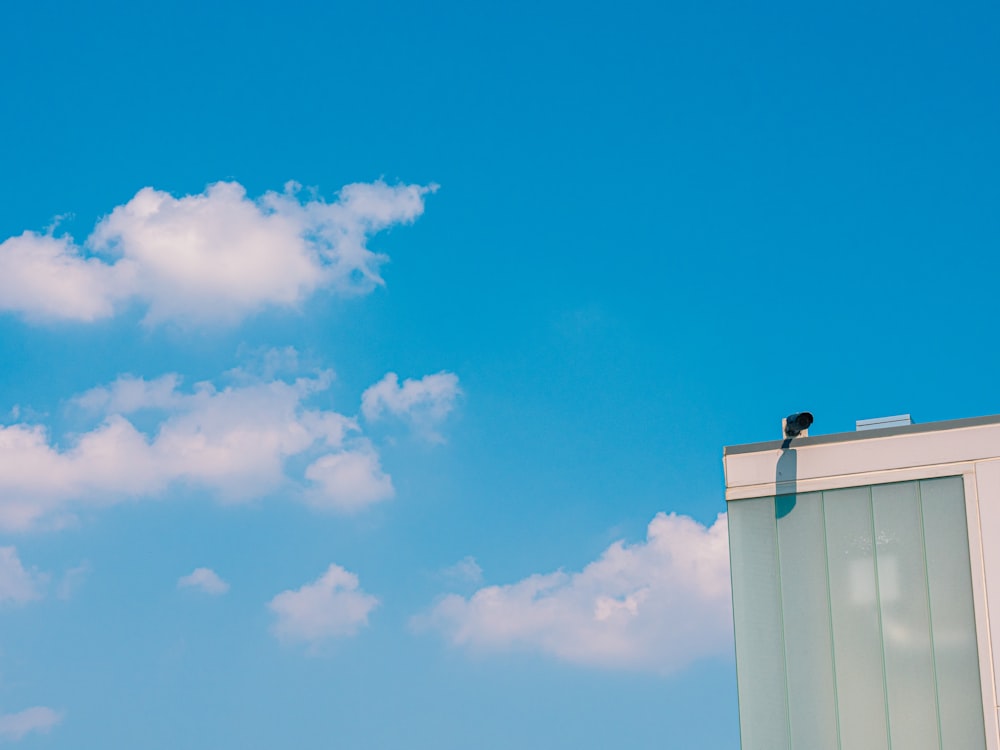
[795,424]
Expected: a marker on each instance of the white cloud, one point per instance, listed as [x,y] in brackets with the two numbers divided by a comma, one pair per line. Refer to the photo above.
[423,403]
[656,605]
[466,570]
[266,363]
[129,394]
[349,480]
[216,257]
[49,277]
[17,584]
[37,719]
[204,579]
[235,442]
[332,606]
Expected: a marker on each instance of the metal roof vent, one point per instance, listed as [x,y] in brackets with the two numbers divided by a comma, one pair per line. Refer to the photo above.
[880,423]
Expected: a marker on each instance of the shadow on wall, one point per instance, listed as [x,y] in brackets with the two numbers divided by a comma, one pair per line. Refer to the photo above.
[785,472]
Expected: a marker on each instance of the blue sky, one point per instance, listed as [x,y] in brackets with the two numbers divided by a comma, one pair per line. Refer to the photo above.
[366,368]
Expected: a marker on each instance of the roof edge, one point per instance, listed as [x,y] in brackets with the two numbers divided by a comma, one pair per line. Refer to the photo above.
[846,437]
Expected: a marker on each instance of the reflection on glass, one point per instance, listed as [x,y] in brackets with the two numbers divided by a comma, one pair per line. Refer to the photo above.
[760,659]
[903,606]
[857,637]
[812,704]
[953,624]
[854,620]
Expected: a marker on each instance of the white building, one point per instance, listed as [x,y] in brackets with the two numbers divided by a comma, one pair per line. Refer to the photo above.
[865,566]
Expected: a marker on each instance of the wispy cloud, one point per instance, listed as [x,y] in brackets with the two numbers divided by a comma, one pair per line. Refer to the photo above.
[205,580]
[72,580]
[656,605]
[422,403]
[214,257]
[466,570]
[234,441]
[18,585]
[332,606]
[37,719]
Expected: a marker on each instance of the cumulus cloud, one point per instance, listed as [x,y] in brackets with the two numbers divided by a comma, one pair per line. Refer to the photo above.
[217,256]
[235,442]
[424,403]
[205,580]
[50,277]
[349,480]
[656,605]
[37,719]
[18,585]
[332,606]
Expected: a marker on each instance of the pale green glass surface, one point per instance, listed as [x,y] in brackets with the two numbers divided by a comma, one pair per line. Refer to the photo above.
[906,627]
[857,634]
[812,702]
[952,618]
[854,618]
[760,660]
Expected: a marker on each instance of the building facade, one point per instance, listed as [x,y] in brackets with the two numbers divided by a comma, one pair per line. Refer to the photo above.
[863,566]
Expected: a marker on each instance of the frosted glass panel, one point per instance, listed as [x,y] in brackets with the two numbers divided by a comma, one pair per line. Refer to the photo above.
[906,627]
[854,620]
[812,704]
[952,619]
[857,634]
[760,659]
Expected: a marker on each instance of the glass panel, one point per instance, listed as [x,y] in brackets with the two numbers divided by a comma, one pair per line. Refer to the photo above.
[854,620]
[856,633]
[760,662]
[953,622]
[906,625]
[805,595]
